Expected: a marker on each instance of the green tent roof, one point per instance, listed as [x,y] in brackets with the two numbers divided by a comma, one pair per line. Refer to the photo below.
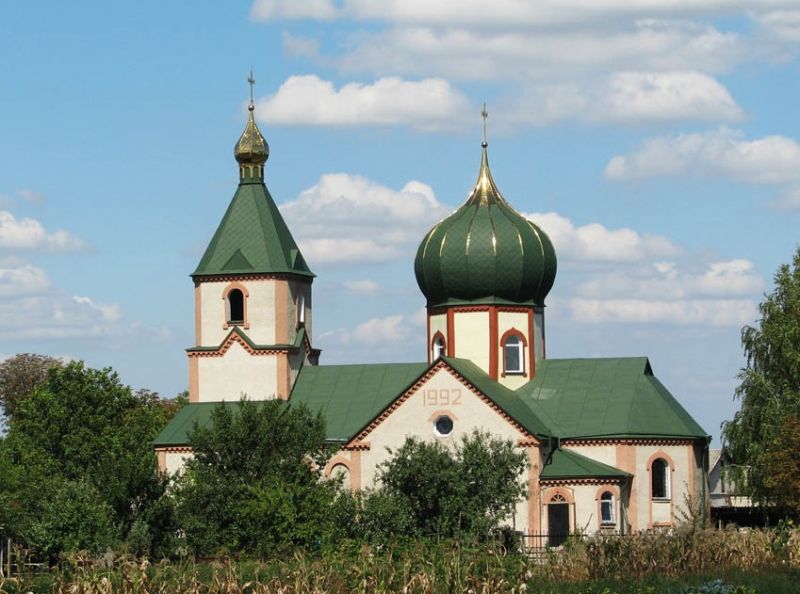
[252,238]
[614,397]
[566,464]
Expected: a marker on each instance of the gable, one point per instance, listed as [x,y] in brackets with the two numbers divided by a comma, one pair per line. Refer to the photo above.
[439,392]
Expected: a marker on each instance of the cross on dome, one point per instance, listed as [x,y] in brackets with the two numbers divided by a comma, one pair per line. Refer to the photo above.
[484,115]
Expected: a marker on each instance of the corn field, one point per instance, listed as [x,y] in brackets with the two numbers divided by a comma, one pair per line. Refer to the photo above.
[425,567]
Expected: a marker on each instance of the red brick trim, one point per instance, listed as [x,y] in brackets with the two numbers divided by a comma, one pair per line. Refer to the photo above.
[451,334]
[218,278]
[234,337]
[654,441]
[175,449]
[581,481]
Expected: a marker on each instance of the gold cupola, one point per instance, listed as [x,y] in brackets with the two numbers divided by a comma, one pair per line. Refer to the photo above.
[251,151]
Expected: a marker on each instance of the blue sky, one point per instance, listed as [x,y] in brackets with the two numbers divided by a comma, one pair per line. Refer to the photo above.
[656,143]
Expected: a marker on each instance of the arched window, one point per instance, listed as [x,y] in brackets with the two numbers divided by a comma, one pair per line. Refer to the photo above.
[438,348]
[607,509]
[513,354]
[235,306]
[659,476]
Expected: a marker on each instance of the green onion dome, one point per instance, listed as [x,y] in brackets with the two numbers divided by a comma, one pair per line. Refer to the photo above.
[485,252]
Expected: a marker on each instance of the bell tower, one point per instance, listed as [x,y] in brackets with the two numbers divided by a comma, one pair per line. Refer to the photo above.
[252,293]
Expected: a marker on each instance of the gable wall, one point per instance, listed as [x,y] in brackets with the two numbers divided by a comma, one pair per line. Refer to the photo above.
[441,394]
[235,373]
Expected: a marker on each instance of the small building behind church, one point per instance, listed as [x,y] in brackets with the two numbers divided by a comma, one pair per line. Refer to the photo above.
[610,448]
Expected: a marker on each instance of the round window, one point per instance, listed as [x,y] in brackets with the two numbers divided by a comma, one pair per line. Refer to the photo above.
[443,425]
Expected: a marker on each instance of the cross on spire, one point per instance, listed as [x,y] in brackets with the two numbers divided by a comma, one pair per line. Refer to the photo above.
[252,83]
[484,115]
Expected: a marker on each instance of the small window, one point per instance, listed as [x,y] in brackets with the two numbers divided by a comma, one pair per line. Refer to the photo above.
[438,347]
[513,355]
[235,307]
[443,425]
[301,310]
[659,471]
[607,509]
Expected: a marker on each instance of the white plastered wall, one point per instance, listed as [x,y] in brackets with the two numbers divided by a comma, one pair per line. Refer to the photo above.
[175,461]
[471,330]
[441,394]
[260,306]
[235,373]
[682,469]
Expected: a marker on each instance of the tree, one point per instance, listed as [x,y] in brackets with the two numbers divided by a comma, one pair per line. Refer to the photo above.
[770,388]
[466,490]
[254,483]
[81,432]
[19,377]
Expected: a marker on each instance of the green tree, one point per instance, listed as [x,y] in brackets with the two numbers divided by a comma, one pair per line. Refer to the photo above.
[19,377]
[254,482]
[81,439]
[770,386]
[466,490]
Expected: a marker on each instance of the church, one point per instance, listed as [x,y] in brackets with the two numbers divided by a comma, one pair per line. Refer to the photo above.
[610,449]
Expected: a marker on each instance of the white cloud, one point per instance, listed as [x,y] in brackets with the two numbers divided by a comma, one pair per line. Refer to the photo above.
[641,96]
[674,281]
[270,10]
[307,100]
[503,13]
[32,308]
[19,278]
[365,287]
[770,160]
[595,242]
[713,312]
[554,55]
[348,218]
[381,330]
[27,233]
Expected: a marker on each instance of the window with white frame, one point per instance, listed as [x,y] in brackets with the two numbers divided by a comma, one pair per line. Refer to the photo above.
[438,347]
[513,355]
[659,476]
[607,516]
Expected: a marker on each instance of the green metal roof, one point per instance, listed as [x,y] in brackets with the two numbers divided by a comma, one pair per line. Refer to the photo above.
[176,433]
[505,398]
[566,464]
[614,397]
[252,238]
[485,252]
[351,396]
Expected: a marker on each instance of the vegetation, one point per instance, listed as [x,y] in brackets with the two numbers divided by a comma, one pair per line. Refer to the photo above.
[767,423]
[78,468]
[428,489]
[20,375]
[425,566]
[254,484]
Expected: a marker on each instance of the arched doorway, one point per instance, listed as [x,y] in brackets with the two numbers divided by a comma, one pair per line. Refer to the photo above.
[557,520]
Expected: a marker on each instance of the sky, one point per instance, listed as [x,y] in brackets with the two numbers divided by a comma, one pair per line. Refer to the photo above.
[656,142]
